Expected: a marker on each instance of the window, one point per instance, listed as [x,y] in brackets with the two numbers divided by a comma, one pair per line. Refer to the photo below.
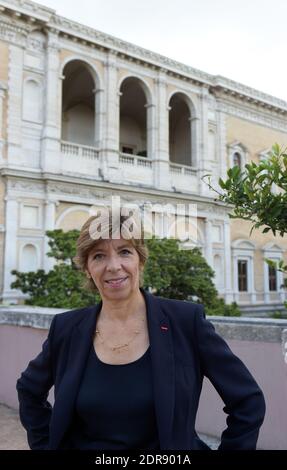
[272,277]
[238,155]
[242,276]
[237,159]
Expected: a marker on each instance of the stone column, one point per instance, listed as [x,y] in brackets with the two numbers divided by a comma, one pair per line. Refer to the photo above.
[50,140]
[221,142]
[208,243]
[203,167]
[252,286]
[151,130]
[266,284]
[49,224]
[110,150]
[229,297]
[2,95]
[11,248]
[99,117]
[15,97]
[162,179]
[194,133]
[235,278]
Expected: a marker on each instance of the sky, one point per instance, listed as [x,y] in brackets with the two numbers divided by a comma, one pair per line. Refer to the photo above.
[244,40]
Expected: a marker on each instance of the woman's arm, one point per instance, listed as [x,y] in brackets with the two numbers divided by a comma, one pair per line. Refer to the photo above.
[244,401]
[33,387]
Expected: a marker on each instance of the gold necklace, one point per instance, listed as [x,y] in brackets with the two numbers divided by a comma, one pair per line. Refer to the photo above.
[119,347]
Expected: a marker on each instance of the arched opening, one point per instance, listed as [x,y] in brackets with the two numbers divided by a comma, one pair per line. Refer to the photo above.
[179,131]
[78,104]
[237,161]
[133,118]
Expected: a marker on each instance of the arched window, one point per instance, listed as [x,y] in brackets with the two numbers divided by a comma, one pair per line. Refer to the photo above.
[237,159]
[78,107]
[237,155]
[133,118]
[180,132]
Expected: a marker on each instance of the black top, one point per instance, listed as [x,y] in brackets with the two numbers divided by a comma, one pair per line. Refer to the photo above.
[115,406]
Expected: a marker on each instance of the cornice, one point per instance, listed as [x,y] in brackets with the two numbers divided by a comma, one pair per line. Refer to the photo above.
[73,186]
[217,85]
[252,112]
[225,88]
[27,10]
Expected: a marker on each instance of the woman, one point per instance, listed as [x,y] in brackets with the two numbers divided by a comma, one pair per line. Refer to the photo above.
[128,372]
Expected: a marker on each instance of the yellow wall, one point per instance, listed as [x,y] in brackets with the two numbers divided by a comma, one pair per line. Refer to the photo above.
[74,220]
[253,136]
[4,54]
[240,230]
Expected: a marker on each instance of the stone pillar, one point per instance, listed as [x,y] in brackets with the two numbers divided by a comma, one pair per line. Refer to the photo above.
[10,253]
[229,297]
[99,117]
[266,284]
[221,143]
[235,278]
[110,150]
[208,243]
[280,281]
[252,286]
[2,95]
[14,118]
[151,130]
[203,167]
[162,179]
[194,133]
[49,224]
[50,140]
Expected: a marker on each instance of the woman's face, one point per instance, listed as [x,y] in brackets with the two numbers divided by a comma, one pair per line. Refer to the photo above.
[114,266]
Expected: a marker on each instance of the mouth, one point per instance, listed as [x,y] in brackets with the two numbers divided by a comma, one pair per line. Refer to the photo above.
[116,282]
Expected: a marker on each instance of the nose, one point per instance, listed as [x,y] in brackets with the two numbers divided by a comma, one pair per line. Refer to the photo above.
[113,263]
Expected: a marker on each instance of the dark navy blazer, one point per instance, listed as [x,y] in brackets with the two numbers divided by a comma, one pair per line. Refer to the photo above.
[184,349]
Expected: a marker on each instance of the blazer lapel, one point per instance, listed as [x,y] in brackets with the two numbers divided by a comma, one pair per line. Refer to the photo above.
[81,341]
[163,367]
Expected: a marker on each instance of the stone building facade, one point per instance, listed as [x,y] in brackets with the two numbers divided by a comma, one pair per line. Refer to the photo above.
[84,116]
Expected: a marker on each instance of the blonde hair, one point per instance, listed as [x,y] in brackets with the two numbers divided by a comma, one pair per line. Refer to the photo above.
[89,238]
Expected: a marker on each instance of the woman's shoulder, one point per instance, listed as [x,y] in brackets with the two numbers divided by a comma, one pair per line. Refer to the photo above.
[176,306]
[70,318]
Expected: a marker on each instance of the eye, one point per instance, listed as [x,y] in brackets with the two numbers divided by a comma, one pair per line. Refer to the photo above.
[98,256]
[125,251]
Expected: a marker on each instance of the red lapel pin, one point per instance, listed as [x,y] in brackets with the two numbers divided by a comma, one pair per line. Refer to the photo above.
[164,328]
